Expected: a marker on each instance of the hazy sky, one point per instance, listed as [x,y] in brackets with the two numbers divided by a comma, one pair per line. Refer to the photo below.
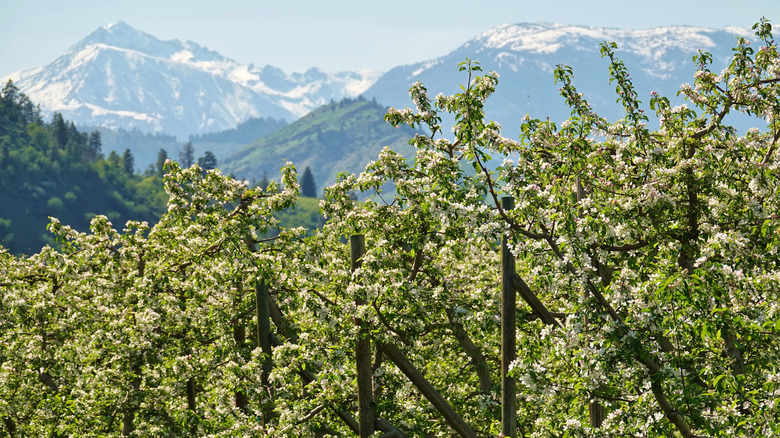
[335,34]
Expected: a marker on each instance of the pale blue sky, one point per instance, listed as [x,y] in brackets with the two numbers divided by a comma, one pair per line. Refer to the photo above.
[335,34]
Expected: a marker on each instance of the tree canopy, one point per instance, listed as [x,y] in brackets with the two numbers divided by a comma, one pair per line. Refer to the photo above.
[645,261]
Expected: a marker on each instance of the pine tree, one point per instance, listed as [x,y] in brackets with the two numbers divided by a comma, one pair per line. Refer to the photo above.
[159,166]
[77,143]
[187,155]
[10,92]
[128,161]
[207,161]
[94,148]
[17,107]
[308,187]
[263,184]
[5,147]
[29,113]
[114,159]
[59,131]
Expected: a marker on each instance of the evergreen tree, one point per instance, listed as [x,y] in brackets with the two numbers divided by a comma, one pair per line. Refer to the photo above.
[207,161]
[187,155]
[9,93]
[29,112]
[76,135]
[128,161]
[5,146]
[16,107]
[263,184]
[76,146]
[159,166]
[308,187]
[9,110]
[59,131]
[94,148]
[114,159]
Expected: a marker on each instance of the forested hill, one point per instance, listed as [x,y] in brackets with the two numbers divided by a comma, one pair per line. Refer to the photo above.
[341,136]
[54,170]
[146,146]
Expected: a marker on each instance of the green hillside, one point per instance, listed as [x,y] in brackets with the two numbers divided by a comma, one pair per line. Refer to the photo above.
[341,136]
[54,170]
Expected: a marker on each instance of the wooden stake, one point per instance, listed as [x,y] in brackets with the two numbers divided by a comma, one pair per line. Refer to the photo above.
[508,332]
[428,391]
[365,380]
[264,338]
[596,412]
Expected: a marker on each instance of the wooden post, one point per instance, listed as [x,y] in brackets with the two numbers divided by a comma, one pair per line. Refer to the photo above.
[128,419]
[264,338]
[191,394]
[365,380]
[508,332]
[191,405]
[239,336]
[595,410]
[428,391]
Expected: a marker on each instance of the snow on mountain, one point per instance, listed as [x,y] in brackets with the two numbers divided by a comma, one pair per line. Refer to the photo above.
[546,38]
[121,77]
[652,46]
[525,55]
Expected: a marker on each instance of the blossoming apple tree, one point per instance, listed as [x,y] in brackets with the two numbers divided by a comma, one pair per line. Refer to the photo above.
[646,261]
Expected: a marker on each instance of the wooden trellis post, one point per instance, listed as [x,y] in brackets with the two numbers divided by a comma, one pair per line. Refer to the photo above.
[365,379]
[264,338]
[508,333]
[595,410]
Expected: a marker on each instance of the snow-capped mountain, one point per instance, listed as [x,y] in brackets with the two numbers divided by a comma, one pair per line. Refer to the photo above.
[526,55]
[121,77]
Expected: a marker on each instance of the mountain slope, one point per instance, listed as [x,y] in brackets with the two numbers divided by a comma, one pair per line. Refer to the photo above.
[121,77]
[341,136]
[53,170]
[525,55]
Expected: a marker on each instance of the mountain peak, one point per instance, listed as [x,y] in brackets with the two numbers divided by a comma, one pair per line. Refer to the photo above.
[122,35]
[121,76]
[118,26]
[117,31]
